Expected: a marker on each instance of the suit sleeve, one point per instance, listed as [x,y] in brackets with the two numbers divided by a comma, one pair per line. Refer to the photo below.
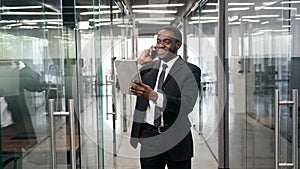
[31,80]
[189,85]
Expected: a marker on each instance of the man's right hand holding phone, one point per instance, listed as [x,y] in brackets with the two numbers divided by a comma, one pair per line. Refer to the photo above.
[148,55]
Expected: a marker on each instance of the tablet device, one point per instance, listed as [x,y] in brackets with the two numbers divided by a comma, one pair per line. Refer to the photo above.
[127,72]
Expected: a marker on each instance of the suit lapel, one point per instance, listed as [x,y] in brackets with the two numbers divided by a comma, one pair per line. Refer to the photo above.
[177,66]
[151,76]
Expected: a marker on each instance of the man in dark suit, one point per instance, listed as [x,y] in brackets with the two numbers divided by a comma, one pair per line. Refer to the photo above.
[165,96]
[19,135]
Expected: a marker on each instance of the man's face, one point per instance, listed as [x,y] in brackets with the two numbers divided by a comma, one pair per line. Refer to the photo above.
[166,45]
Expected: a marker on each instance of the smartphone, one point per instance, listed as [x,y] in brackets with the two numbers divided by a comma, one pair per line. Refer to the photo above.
[153,53]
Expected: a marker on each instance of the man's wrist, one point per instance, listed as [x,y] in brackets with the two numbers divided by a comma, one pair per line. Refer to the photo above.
[140,61]
[153,96]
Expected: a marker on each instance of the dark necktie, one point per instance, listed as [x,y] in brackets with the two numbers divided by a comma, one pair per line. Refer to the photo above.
[157,118]
[162,77]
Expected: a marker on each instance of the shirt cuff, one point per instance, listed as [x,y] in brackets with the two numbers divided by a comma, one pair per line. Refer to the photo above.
[139,66]
[160,100]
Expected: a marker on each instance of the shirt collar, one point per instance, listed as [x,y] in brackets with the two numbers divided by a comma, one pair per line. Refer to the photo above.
[170,63]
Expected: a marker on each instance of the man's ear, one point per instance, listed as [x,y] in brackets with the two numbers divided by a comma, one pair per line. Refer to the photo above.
[178,44]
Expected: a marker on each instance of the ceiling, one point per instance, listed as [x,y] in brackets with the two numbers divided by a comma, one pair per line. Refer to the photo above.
[14,13]
[149,15]
[148,19]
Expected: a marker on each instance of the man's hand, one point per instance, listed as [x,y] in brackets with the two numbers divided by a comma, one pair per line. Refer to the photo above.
[144,91]
[146,56]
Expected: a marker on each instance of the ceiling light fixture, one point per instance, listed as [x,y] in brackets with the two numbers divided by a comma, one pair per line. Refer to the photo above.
[28,27]
[108,20]
[16,24]
[250,20]
[273,8]
[257,33]
[286,26]
[290,2]
[155,19]
[233,4]
[270,3]
[260,16]
[206,21]
[153,22]
[211,4]
[155,11]
[19,7]
[278,30]
[83,25]
[30,13]
[238,9]
[157,6]
[240,4]
[204,17]
[266,22]
[95,7]
[52,27]
[234,23]
[209,11]
[230,19]
[8,21]
[233,18]
[100,12]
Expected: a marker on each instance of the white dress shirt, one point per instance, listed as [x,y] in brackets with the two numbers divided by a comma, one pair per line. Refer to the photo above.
[149,118]
[6,117]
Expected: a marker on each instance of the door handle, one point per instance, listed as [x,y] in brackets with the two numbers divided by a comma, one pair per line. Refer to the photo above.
[293,102]
[72,132]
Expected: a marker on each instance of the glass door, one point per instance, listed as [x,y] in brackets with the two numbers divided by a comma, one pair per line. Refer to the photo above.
[32,72]
[47,58]
[87,81]
[263,59]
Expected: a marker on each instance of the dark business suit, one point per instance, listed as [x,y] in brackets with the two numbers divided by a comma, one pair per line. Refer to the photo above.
[180,90]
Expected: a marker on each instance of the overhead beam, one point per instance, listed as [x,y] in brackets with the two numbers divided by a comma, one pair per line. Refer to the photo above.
[128,5]
[184,10]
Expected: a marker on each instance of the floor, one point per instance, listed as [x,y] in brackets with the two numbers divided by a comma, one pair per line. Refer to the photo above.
[251,143]
[128,157]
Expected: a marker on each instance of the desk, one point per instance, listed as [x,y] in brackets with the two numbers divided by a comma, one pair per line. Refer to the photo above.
[15,148]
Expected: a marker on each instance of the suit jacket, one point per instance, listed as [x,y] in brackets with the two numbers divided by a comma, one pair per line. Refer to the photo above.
[180,90]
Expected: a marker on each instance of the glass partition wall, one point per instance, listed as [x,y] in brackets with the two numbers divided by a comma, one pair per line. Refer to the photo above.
[262,64]
[116,43]
[55,51]
[202,50]
[263,59]
[206,36]
[47,58]
[31,66]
